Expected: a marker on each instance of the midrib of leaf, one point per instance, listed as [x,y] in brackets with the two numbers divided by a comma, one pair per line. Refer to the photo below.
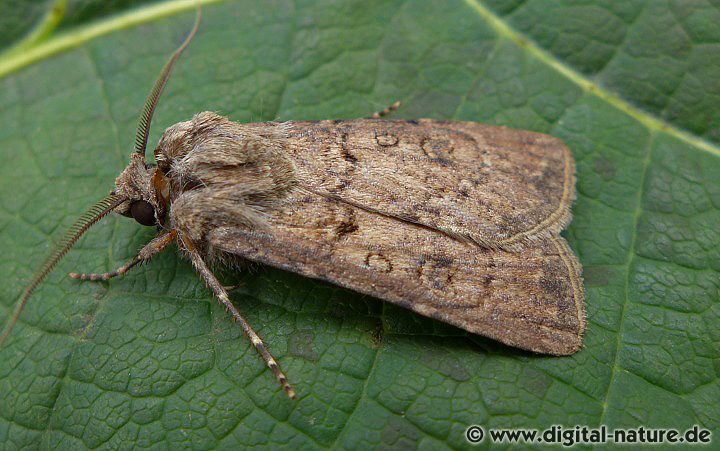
[52,19]
[15,60]
[651,122]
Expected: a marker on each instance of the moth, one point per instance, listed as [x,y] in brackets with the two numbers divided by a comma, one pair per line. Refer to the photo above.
[458,221]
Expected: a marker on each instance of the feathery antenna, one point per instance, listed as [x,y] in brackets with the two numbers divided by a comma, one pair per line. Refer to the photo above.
[143,130]
[90,217]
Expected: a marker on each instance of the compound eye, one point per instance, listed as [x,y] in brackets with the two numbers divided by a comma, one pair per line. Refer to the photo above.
[143,212]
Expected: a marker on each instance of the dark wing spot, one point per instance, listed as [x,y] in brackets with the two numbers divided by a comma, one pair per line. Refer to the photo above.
[344,151]
[438,150]
[442,262]
[345,228]
[552,286]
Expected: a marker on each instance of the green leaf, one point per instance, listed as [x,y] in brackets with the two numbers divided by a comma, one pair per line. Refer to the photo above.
[151,359]
[660,55]
[23,23]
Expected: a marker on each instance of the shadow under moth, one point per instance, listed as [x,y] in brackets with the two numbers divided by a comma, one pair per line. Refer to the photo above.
[457,221]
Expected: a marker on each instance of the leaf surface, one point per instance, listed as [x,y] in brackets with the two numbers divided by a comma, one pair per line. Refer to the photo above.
[151,358]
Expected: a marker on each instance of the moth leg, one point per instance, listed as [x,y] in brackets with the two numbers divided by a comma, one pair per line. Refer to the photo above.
[156,245]
[386,111]
[222,296]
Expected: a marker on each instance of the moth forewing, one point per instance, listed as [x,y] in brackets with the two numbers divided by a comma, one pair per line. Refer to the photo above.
[499,187]
[531,299]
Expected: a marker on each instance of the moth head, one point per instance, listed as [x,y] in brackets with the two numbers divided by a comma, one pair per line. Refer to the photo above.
[145,192]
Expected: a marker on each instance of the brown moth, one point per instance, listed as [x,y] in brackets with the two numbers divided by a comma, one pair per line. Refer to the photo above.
[457,221]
